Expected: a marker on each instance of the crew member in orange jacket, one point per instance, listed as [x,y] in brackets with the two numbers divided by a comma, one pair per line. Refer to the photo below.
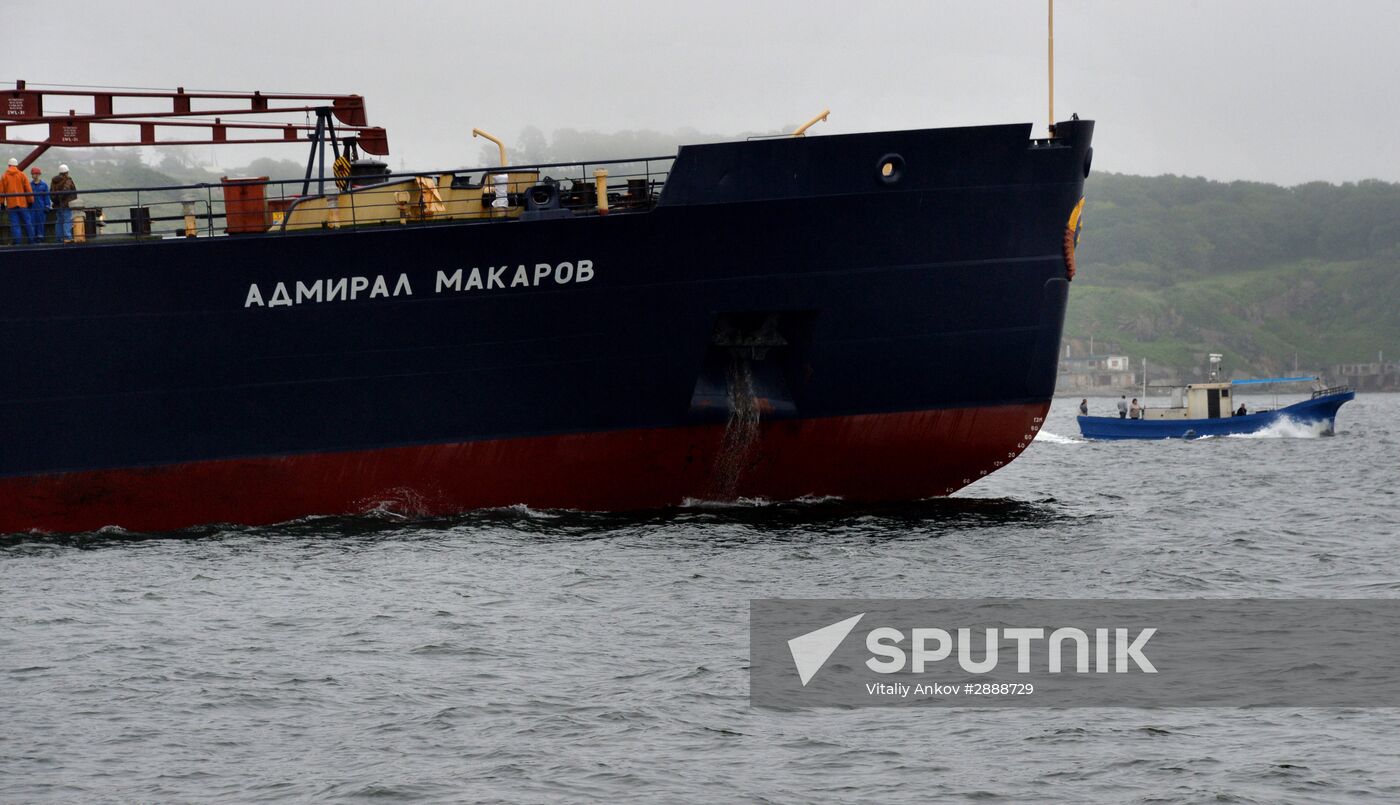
[15,182]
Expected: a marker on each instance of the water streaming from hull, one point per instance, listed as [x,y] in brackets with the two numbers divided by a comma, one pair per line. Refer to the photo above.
[740,432]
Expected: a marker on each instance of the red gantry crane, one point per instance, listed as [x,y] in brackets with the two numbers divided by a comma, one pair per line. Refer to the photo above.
[22,111]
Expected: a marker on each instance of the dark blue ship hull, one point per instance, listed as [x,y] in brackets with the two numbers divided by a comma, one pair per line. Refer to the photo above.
[140,374]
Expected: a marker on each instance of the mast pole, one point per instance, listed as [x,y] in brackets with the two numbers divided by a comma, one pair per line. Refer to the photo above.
[1051,57]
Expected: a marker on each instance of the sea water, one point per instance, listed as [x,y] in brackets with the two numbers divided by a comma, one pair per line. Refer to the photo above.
[555,656]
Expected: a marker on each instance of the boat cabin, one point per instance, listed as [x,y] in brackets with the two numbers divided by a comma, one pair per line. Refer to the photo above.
[1196,401]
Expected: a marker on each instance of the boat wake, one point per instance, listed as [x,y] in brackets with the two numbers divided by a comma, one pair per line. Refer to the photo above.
[1055,438]
[756,503]
[1287,428]
[401,503]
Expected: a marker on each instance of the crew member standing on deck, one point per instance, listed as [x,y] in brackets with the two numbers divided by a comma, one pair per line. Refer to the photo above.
[19,196]
[1084,407]
[1135,411]
[1123,407]
[39,213]
[63,192]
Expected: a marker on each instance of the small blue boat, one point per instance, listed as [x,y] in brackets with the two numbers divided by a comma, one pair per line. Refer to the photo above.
[1206,411]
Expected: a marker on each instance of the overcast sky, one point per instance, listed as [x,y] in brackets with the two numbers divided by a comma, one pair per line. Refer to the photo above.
[1272,90]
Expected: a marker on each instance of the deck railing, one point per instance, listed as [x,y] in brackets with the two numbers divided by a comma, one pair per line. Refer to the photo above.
[256,205]
[1332,390]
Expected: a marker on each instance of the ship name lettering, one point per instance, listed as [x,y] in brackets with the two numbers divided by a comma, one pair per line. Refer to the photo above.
[326,290]
[308,294]
[381,286]
[494,277]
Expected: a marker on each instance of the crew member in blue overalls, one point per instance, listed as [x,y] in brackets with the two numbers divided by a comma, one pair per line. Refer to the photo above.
[39,212]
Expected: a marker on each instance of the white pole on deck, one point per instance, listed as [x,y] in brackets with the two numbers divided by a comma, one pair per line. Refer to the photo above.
[1051,57]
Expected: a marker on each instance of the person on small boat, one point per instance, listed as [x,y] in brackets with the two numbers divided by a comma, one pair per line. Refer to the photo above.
[1135,410]
[1123,407]
[1241,411]
[1084,407]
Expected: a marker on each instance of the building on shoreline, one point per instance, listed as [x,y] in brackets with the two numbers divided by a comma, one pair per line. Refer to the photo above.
[1095,373]
[1375,376]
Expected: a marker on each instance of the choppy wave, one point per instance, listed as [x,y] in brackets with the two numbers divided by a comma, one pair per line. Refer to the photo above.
[557,654]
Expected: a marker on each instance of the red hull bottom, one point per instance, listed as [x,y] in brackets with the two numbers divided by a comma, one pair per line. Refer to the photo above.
[865,458]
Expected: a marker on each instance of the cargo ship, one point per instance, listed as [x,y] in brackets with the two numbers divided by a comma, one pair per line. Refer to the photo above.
[874,317]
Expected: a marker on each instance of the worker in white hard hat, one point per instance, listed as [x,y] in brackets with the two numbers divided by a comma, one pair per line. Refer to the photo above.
[63,191]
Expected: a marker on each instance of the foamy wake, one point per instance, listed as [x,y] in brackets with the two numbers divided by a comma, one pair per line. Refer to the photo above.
[401,503]
[1287,428]
[754,503]
[1055,438]
[521,510]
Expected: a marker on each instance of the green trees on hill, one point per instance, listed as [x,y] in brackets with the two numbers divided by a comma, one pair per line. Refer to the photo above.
[1173,267]
[1189,228]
